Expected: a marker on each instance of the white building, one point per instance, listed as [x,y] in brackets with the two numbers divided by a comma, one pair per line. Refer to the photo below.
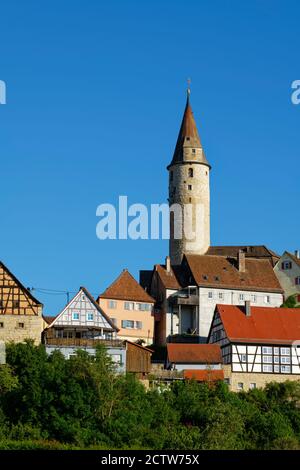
[187,294]
[287,270]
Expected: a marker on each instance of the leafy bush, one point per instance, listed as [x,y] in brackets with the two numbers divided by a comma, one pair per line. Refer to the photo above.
[48,402]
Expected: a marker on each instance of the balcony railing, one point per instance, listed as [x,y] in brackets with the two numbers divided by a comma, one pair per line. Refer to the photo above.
[83,342]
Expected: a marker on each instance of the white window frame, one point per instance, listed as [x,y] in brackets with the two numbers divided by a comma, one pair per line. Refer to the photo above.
[285,351]
[112,304]
[267,350]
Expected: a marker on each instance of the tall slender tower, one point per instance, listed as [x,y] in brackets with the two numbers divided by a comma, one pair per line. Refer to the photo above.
[189,195]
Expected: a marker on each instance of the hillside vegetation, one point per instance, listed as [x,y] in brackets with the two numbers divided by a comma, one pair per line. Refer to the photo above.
[53,403]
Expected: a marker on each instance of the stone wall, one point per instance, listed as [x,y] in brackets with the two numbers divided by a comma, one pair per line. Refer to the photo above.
[259,379]
[17,328]
[198,195]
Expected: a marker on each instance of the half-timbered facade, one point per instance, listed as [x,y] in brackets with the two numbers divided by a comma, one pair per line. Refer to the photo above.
[20,311]
[258,344]
[82,318]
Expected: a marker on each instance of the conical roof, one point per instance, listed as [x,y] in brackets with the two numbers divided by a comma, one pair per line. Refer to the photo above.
[188,137]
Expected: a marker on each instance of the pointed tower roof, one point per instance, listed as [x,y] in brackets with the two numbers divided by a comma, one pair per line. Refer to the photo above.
[188,137]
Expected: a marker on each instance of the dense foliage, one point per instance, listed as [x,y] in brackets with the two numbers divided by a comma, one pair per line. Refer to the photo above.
[51,402]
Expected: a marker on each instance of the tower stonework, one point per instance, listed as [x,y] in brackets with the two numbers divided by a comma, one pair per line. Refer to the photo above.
[189,191]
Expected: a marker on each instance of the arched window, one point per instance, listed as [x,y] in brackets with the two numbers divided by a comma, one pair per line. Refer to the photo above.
[191,172]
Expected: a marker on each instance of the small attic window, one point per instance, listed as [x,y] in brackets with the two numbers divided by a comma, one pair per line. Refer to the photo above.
[205,277]
[217,278]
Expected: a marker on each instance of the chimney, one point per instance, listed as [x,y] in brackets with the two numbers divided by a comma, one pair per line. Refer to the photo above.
[241,258]
[168,264]
[297,254]
[248,308]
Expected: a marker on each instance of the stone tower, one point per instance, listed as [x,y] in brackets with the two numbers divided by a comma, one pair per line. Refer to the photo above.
[189,195]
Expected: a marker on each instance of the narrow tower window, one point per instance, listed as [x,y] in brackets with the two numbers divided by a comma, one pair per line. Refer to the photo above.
[190,187]
[193,150]
[171,176]
[191,172]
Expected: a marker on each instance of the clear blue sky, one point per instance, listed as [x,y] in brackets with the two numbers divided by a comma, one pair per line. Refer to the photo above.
[95,95]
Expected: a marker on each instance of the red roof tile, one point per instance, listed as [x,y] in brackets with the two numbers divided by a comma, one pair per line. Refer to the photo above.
[204,375]
[125,287]
[168,278]
[182,353]
[219,271]
[264,325]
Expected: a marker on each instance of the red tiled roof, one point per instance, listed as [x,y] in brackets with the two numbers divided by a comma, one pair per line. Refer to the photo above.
[264,325]
[256,251]
[219,271]
[205,375]
[182,353]
[125,287]
[168,278]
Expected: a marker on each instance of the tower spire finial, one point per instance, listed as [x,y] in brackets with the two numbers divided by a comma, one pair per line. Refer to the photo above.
[189,87]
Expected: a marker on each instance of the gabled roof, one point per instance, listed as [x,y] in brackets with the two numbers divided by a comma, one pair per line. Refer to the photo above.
[94,303]
[125,287]
[220,271]
[251,251]
[20,285]
[264,325]
[188,137]
[204,375]
[168,278]
[49,319]
[181,353]
[294,258]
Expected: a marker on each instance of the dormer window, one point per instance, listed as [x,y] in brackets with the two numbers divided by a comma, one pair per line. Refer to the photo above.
[191,172]
[286,265]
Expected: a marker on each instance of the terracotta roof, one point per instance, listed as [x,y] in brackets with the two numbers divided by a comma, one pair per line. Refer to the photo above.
[204,375]
[125,287]
[256,251]
[188,137]
[219,271]
[181,353]
[168,279]
[264,325]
